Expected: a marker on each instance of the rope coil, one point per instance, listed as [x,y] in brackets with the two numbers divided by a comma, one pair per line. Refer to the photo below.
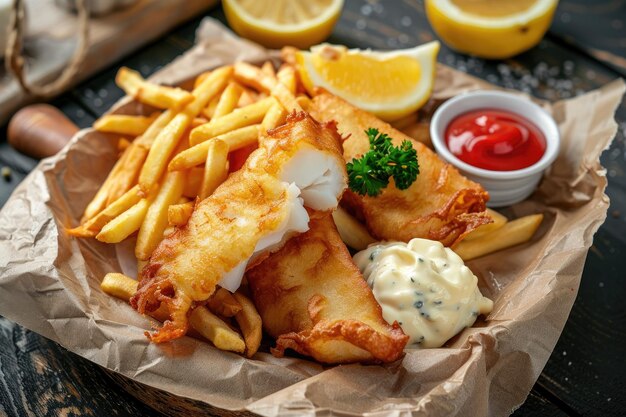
[16,63]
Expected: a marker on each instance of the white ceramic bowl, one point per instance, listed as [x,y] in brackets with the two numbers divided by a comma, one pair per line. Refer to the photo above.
[504,187]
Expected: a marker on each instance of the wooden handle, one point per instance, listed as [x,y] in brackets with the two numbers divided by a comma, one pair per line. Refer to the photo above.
[40,130]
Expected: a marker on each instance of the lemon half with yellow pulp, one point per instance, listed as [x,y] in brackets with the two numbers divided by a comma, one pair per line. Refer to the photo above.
[389,84]
[495,29]
[278,23]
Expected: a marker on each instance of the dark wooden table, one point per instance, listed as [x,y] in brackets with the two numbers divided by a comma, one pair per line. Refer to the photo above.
[584,49]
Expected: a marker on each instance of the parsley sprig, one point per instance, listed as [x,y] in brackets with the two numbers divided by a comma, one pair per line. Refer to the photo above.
[369,174]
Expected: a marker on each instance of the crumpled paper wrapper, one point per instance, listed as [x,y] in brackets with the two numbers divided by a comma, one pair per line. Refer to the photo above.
[49,282]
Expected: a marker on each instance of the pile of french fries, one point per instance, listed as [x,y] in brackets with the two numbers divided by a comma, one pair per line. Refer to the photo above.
[176,157]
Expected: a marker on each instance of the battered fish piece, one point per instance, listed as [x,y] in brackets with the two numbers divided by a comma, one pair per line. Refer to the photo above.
[440,205]
[254,212]
[313,299]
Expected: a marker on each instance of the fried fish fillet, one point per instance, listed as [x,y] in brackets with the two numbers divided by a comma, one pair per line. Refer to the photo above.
[255,211]
[440,205]
[313,299]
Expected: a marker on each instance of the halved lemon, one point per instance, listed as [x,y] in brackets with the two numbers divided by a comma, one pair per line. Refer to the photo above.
[277,23]
[495,29]
[389,84]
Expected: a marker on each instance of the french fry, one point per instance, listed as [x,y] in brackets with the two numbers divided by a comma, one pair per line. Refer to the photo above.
[127,176]
[125,224]
[228,100]
[123,124]
[275,116]
[99,201]
[197,121]
[200,78]
[123,287]
[240,138]
[209,110]
[250,324]
[216,330]
[247,97]
[352,232]
[123,144]
[300,88]
[178,214]
[92,226]
[216,167]
[197,154]
[194,182]
[248,74]
[512,233]
[119,286]
[241,117]
[304,102]
[168,138]
[161,149]
[498,221]
[213,85]
[268,69]
[159,96]
[147,139]
[127,170]
[156,219]
[286,98]
[223,303]
[287,76]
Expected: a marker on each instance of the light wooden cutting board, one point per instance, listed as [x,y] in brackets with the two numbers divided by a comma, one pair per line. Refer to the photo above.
[51,39]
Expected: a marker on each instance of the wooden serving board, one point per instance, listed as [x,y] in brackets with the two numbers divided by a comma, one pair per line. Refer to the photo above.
[51,40]
[169,404]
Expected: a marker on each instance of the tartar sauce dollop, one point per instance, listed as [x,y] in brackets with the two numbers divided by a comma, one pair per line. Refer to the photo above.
[425,287]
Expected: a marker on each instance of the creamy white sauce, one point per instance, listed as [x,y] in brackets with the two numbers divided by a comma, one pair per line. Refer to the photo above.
[425,287]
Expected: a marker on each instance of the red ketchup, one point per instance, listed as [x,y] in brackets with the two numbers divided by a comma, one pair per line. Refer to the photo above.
[495,140]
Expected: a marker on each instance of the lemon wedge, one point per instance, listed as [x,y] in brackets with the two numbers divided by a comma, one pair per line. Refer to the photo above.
[389,84]
[495,29]
[277,23]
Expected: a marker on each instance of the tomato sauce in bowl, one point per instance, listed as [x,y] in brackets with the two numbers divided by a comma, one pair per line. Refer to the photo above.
[500,140]
[496,140]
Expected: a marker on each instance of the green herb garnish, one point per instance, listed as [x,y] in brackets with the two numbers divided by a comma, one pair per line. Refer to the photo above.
[369,174]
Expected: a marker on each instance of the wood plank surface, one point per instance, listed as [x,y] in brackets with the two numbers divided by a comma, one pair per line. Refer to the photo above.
[40,378]
[607,39]
[586,373]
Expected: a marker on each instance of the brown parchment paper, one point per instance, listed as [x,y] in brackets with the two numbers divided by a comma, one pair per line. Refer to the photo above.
[49,282]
